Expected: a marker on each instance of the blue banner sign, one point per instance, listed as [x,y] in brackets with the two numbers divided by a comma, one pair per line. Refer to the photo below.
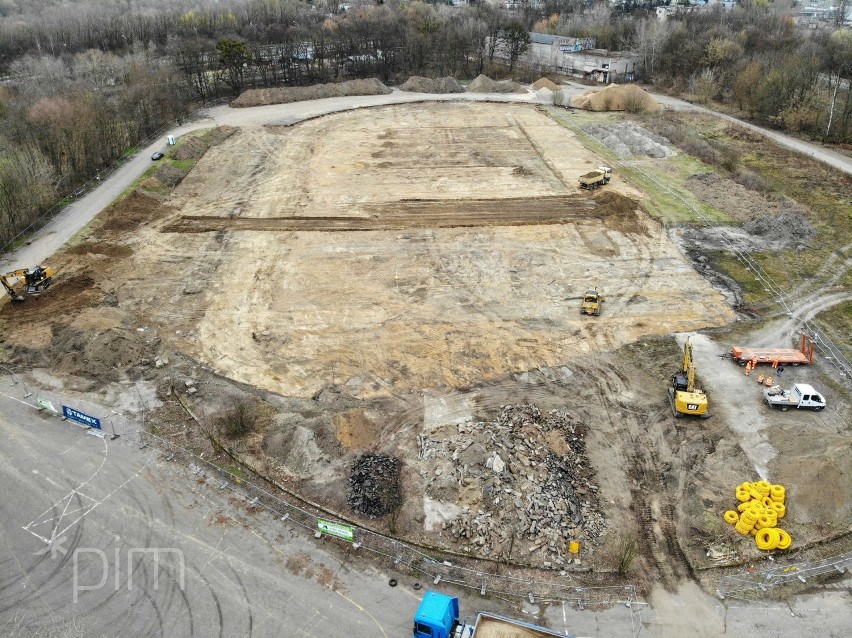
[79,417]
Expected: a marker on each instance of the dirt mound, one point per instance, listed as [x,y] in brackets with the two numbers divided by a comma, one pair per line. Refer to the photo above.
[418,84]
[127,214]
[191,148]
[627,138]
[545,83]
[169,175]
[65,297]
[484,84]
[295,446]
[617,97]
[285,95]
[99,354]
[101,248]
[788,227]
[194,147]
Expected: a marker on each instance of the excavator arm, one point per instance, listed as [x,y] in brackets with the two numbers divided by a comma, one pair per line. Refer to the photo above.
[9,280]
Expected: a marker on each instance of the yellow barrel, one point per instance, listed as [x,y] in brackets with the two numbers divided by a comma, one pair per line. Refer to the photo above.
[574,547]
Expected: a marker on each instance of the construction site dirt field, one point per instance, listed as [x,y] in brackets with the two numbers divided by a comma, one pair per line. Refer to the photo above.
[406,281]
[423,304]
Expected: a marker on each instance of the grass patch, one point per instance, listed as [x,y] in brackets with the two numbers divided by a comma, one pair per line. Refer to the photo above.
[757,162]
[236,470]
[668,198]
[663,180]
[184,165]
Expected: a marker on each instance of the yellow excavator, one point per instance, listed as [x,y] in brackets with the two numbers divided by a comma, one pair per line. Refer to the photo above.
[684,397]
[27,281]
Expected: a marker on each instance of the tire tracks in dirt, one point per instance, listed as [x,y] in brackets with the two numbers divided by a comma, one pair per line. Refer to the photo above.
[653,504]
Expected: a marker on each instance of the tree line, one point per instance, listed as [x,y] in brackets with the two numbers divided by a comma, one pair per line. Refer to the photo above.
[85,81]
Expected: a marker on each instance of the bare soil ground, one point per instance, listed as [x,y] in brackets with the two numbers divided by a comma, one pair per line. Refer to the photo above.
[449,287]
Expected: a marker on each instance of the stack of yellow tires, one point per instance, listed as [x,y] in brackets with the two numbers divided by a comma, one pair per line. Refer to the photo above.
[761,507]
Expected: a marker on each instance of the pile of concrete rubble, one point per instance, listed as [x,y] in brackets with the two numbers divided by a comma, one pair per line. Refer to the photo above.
[538,488]
[374,485]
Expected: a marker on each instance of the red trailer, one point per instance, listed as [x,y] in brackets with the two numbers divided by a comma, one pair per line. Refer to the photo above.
[784,356]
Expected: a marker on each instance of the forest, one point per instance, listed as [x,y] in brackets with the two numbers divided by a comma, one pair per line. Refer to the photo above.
[83,83]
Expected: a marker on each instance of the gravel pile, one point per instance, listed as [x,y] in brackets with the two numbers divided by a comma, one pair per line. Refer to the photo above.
[374,485]
[484,84]
[545,83]
[628,138]
[418,84]
[285,95]
[617,97]
[537,484]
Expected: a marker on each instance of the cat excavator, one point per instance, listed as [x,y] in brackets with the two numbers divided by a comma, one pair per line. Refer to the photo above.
[684,397]
[27,281]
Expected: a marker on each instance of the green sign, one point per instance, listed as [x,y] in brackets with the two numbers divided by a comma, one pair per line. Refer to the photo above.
[44,404]
[335,529]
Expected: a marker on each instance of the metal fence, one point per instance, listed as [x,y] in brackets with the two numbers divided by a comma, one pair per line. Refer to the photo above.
[404,556]
[750,585]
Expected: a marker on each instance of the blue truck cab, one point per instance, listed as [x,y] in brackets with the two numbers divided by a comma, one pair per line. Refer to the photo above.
[437,616]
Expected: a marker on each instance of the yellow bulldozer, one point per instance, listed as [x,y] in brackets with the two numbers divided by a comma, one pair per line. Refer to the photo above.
[684,397]
[24,281]
[592,302]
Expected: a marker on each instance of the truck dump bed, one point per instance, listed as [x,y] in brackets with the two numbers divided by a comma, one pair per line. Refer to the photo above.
[494,626]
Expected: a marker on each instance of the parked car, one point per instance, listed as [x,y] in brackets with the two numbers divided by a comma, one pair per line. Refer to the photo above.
[158,155]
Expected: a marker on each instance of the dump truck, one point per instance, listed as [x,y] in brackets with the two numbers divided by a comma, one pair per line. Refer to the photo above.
[801,395]
[592,302]
[784,356]
[595,178]
[438,617]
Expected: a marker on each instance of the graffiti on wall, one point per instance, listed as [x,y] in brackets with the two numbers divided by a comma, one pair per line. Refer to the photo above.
[569,45]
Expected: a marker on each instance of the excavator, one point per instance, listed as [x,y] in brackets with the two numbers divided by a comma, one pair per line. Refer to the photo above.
[684,397]
[27,281]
